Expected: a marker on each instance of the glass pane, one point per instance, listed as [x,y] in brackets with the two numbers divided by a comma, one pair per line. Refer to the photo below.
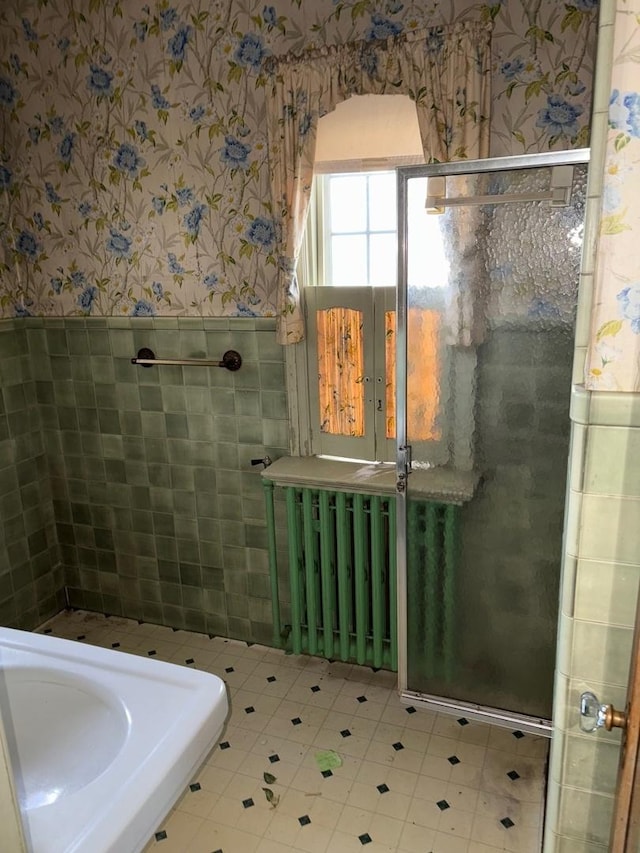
[383,260]
[423,375]
[341,371]
[349,260]
[382,202]
[348,203]
[390,369]
[483,578]
[427,264]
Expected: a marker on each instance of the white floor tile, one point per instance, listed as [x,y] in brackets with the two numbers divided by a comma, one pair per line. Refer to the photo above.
[266,845]
[415,838]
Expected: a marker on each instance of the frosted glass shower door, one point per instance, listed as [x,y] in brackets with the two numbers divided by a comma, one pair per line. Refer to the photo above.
[488,296]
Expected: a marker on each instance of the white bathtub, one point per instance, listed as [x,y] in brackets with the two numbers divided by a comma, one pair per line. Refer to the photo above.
[102,742]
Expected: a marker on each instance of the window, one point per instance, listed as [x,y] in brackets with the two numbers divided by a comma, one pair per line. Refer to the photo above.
[341,379]
[360,229]
[350,293]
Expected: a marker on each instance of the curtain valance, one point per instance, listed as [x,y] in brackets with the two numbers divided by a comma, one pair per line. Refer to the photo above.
[444,70]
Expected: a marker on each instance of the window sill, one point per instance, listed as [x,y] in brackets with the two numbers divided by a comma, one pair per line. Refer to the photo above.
[436,484]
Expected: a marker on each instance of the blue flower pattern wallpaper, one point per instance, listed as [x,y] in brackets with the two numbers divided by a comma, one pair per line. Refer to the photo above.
[133,152]
[613,362]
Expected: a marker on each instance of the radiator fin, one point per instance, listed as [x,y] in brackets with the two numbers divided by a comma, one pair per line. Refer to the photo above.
[342,575]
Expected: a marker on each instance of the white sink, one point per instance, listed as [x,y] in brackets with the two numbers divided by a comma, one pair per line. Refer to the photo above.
[102,743]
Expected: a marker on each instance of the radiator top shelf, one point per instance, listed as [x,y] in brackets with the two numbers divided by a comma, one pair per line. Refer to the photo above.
[438,484]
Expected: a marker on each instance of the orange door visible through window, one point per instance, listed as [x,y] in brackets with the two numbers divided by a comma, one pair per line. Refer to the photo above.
[341,371]
[341,389]
[423,374]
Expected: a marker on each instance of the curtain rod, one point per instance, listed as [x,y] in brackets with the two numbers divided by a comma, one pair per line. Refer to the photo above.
[271,63]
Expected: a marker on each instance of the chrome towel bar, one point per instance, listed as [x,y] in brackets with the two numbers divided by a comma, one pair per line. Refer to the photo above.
[231,359]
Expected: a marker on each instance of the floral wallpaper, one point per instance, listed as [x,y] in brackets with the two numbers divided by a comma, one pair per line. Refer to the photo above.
[614,355]
[133,150]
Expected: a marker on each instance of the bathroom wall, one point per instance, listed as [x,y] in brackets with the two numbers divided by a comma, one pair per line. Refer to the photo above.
[133,185]
[159,512]
[133,164]
[601,568]
[601,577]
[31,582]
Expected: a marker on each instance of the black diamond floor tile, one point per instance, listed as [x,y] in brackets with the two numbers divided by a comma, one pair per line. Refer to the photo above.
[443,805]
[453,759]
[382,788]
[248,803]
[305,820]
[274,758]
[365,838]
[513,775]
[345,733]
[398,746]
[507,822]
[518,734]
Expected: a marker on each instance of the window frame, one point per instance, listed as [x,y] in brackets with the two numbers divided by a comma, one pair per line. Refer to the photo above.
[301,359]
[372,302]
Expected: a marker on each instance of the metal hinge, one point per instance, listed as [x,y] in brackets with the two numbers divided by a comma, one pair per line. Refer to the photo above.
[404,463]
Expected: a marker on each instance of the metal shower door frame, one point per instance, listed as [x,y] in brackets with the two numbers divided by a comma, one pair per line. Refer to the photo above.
[495,716]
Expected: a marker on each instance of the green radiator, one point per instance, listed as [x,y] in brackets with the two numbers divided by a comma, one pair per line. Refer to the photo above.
[432,540]
[342,572]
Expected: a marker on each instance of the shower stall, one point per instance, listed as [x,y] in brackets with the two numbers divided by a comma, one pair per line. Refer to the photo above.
[492,250]
[446,564]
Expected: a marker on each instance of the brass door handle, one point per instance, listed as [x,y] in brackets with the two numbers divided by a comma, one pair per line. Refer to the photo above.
[614,719]
[594,715]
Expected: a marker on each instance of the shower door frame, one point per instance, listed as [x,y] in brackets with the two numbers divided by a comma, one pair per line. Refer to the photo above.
[483,713]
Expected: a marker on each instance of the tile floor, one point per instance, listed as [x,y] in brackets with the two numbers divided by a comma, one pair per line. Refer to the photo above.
[407,781]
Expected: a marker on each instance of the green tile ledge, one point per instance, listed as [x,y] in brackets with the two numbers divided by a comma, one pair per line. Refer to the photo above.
[439,483]
[604,408]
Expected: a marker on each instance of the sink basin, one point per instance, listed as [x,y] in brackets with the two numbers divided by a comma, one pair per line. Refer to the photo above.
[55,732]
[102,743]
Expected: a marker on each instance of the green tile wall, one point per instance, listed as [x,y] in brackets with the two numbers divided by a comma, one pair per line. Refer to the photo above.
[31,581]
[159,513]
[601,578]
[601,566]
[511,532]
